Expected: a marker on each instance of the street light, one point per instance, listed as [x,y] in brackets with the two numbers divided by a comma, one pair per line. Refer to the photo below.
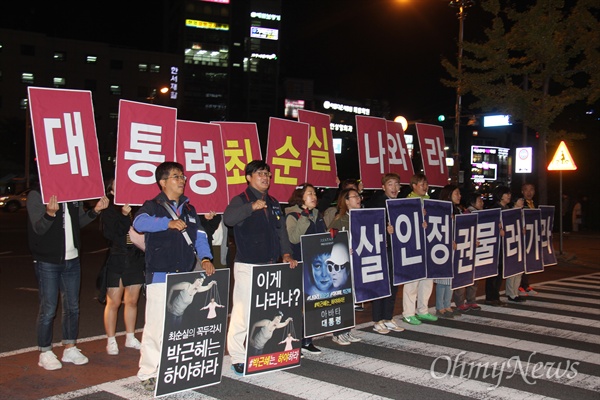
[462,5]
[154,93]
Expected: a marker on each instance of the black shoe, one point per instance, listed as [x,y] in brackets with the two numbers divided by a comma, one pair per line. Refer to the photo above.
[238,368]
[517,299]
[311,348]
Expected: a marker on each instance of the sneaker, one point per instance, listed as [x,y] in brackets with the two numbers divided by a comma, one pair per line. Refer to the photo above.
[455,312]
[133,343]
[49,361]
[517,299]
[464,308]
[312,349]
[301,354]
[392,326]
[380,327]
[522,291]
[238,368]
[474,306]
[530,291]
[112,349]
[341,339]
[412,320]
[427,317]
[444,314]
[352,338]
[359,307]
[73,355]
[500,303]
[149,384]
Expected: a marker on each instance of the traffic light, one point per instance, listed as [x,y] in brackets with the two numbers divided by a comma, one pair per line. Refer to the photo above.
[441,118]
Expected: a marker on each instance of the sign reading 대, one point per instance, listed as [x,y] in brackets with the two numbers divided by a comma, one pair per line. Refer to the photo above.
[64,133]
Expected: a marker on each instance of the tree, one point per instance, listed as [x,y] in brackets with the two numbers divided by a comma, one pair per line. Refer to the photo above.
[537,59]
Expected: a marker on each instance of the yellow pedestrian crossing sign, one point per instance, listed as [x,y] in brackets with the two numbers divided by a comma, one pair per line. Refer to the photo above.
[562,160]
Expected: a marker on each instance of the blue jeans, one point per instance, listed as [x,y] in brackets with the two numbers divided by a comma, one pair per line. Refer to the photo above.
[443,296]
[52,278]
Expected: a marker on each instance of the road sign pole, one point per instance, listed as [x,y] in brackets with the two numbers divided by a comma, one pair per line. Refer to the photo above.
[560,206]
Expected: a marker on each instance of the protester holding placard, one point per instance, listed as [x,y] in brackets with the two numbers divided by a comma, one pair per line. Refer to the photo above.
[261,238]
[502,197]
[443,289]
[419,291]
[167,252]
[383,309]
[54,242]
[124,273]
[528,192]
[303,218]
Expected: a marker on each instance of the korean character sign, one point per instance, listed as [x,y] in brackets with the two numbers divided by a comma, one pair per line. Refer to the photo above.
[512,242]
[548,254]
[275,318]
[398,157]
[198,148]
[487,254]
[328,299]
[408,240]
[431,142]
[465,237]
[532,223]
[240,146]
[322,168]
[369,255]
[145,138]
[438,234]
[372,150]
[66,145]
[193,343]
[287,155]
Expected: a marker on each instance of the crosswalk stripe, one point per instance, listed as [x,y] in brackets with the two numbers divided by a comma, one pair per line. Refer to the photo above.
[571,298]
[558,306]
[546,316]
[584,286]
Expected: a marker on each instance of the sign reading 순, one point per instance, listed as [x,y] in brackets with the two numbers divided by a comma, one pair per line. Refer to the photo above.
[548,254]
[193,342]
[328,300]
[275,318]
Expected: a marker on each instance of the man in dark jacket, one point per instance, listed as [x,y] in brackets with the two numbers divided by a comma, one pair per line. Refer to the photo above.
[167,252]
[54,241]
[260,238]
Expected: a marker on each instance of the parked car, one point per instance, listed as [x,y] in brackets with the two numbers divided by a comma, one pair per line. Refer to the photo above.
[13,202]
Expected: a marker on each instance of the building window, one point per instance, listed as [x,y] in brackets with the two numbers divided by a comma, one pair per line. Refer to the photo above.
[90,84]
[60,56]
[23,103]
[59,82]
[116,64]
[90,59]
[154,68]
[202,55]
[27,77]
[143,67]
[27,50]
[115,90]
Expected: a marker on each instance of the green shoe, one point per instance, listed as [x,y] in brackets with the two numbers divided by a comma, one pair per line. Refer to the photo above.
[412,320]
[427,317]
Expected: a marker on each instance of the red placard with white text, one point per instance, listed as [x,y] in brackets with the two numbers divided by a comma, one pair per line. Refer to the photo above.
[372,150]
[145,138]
[240,146]
[398,155]
[66,145]
[198,147]
[431,142]
[322,168]
[287,153]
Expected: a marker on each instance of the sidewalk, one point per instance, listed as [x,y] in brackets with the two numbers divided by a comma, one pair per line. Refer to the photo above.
[22,378]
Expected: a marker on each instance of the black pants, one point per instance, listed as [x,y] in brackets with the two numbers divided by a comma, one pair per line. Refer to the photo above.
[384,308]
[493,284]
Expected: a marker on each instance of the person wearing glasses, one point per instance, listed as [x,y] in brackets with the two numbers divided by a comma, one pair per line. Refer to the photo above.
[260,238]
[167,252]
